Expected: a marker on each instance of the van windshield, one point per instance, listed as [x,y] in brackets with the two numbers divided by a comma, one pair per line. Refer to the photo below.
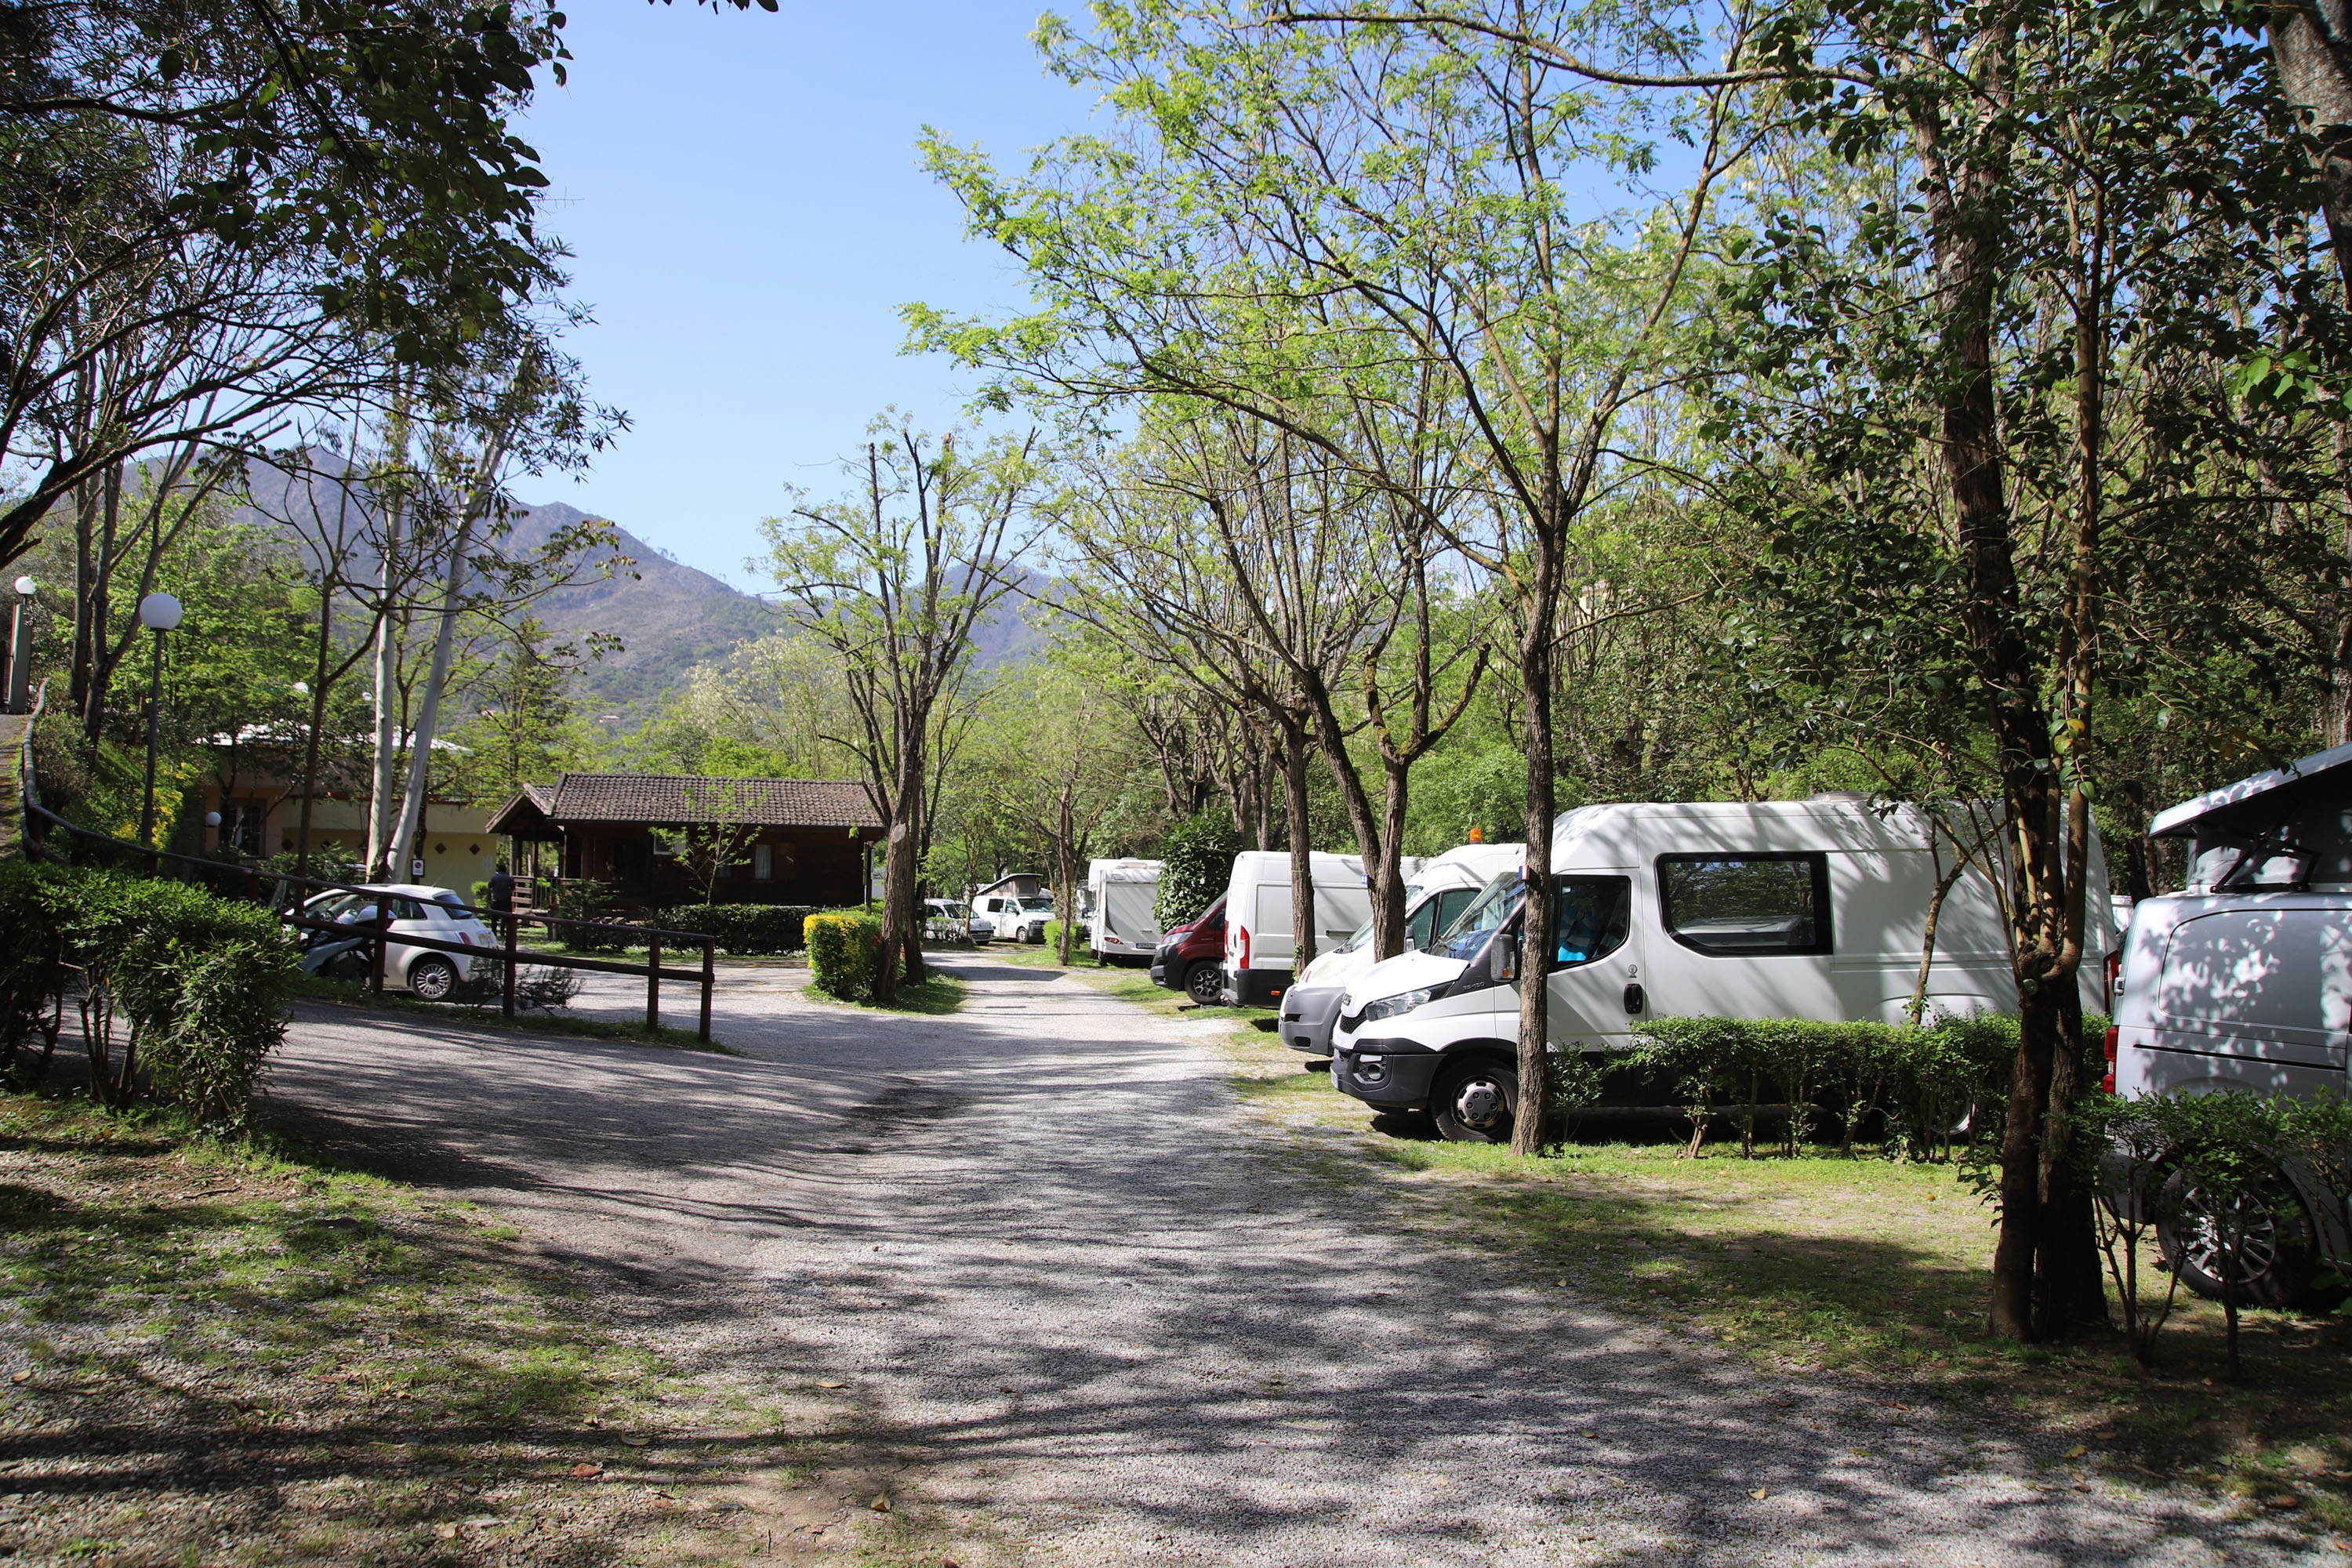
[1470,930]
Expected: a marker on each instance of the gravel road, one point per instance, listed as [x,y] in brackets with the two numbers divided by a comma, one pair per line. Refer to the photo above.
[1100,1315]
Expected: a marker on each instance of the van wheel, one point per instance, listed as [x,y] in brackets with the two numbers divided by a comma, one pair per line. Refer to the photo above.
[1204,984]
[1476,1104]
[2274,1257]
[432,977]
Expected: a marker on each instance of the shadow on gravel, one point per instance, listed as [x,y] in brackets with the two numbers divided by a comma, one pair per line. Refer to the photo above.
[1057,1262]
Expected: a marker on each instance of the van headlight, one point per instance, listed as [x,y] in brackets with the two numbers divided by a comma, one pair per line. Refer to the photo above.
[1390,1006]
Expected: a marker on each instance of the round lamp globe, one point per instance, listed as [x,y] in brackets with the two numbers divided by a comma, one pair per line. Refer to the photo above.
[159,613]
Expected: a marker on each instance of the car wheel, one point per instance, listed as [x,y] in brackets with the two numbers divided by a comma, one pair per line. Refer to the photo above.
[1204,983]
[1474,1104]
[432,977]
[2274,1257]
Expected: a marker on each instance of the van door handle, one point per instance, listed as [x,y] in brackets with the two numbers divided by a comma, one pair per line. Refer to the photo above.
[1634,1000]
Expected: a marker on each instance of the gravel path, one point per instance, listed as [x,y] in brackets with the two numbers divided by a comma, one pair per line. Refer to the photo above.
[1101,1316]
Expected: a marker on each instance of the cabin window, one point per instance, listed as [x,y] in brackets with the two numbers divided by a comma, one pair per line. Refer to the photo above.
[763,862]
[1751,904]
[1589,917]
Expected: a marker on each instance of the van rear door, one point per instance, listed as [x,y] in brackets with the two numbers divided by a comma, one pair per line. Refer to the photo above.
[2256,998]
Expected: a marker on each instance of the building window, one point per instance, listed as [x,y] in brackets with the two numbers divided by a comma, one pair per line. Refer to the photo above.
[240,827]
[763,862]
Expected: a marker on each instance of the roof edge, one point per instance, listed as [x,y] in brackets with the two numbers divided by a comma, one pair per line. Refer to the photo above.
[2171,821]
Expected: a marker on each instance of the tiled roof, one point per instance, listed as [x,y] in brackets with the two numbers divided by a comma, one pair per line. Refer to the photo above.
[670,799]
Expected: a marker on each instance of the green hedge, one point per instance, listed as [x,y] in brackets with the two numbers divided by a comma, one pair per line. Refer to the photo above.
[1925,1081]
[184,993]
[1197,864]
[845,949]
[742,928]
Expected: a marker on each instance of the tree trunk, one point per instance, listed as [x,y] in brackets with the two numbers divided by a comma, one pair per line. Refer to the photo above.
[387,724]
[1388,877]
[902,933]
[1535,653]
[1302,850]
[2311,43]
[311,745]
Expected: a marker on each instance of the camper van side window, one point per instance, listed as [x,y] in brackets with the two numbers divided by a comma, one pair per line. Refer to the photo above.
[1590,915]
[1747,903]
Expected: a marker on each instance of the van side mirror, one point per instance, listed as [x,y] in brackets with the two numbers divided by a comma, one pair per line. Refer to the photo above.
[1502,958]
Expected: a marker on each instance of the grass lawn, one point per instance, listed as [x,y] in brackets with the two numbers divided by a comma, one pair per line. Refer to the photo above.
[231,1353]
[1860,1267]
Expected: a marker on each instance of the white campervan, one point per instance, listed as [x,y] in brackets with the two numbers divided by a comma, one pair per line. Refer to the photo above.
[1120,914]
[2244,981]
[1258,939]
[1776,910]
[1436,892]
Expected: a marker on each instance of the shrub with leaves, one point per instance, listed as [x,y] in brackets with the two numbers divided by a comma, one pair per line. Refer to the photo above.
[32,967]
[741,929]
[845,949]
[1922,1081]
[182,992]
[2122,1145]
[1198,863]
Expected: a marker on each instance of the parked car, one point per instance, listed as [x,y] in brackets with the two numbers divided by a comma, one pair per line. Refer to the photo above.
[1025,920]
[1258,940]
[946,919]
[2244,982]
[439,913]
[1191,957]
[1779,910]
[1436,892]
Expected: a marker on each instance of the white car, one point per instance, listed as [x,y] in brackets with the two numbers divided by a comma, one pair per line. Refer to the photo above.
[1026,921]
[439,913]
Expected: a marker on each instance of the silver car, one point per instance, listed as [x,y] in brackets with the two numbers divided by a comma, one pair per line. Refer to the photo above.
[439,913]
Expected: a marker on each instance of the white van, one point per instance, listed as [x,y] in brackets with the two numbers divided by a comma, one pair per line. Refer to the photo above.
[1258,939]
[2244,981]
[1120,895]
[1436,892]
[1779,910]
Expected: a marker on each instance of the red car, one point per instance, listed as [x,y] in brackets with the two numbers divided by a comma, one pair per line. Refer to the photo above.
[1191,958]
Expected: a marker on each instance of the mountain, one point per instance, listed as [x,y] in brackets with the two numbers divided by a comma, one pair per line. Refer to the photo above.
[669,617]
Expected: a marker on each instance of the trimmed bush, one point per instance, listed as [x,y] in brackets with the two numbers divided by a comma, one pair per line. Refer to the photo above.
[1198,864]
[745,930]
[191,986]
[845,949]
[1925,1081]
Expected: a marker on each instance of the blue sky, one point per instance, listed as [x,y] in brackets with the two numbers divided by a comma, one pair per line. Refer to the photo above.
[741,196]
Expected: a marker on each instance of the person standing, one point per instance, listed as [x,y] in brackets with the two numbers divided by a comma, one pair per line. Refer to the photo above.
[502,900]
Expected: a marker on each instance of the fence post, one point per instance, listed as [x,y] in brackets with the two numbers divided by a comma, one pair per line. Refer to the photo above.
[704,1033]
[506,1001]
[383,936]
[653,984]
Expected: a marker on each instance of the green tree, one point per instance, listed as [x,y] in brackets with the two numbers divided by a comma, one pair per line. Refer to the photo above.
[895,582]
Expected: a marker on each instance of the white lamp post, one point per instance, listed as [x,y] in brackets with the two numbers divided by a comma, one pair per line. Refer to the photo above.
[17,691]
[159,613]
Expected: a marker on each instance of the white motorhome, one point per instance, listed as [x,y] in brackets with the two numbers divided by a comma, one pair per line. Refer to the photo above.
[1119,909]
[2244,981]
[1436,892]
[1258,939]
[1777,910]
